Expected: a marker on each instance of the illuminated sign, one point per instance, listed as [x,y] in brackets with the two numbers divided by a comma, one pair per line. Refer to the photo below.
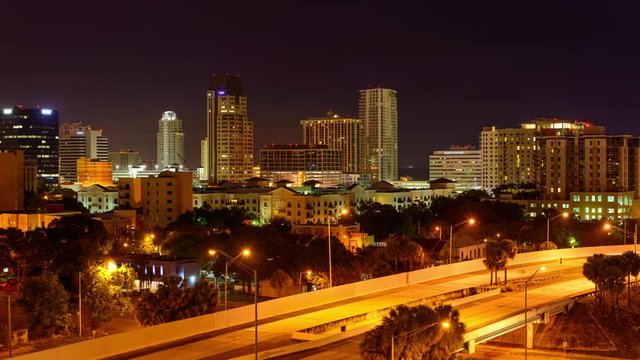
[221,92]
[7,111]
[46,111]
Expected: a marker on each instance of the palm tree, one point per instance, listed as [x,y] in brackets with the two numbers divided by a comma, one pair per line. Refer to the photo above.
[632,267]
[492,259]
[415,334]
[593,270]
[508,249]
[279,280]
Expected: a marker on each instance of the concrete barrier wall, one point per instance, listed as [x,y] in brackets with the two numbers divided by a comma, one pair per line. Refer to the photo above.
[155,335]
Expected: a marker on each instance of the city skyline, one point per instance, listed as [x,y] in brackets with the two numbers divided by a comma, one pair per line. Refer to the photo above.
[467,66]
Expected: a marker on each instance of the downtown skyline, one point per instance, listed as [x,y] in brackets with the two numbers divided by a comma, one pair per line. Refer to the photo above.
[456,68]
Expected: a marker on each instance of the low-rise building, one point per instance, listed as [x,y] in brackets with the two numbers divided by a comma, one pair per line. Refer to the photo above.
[98,199]
[153,269]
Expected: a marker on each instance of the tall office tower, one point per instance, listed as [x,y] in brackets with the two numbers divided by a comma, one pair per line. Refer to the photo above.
[512,156]
[124,159]
[34,131]
[76,141]
[462,164]
[229,131]
[378,113]
[337,133]
[12,180]
[170,141]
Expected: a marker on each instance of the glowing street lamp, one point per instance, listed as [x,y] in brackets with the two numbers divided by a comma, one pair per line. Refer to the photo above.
[470,221]
[245,252]
[308,273]
[439,230]
[564,215]
[608,226]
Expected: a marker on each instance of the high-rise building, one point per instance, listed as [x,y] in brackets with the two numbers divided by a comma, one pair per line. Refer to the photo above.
[589,163]
[12,180]
[229,131]
[378,113]
[462,164]
[124,159]
[170,141]
[511,156]
[34,131]
[301,163]
[337,133]
[76,141]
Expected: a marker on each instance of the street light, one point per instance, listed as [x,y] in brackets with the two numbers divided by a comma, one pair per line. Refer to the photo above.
[439,230]
[343,212]
[445,325]
[526,329]
[564,215]
[470,221]
[308,272]
[608,226]
[231,260]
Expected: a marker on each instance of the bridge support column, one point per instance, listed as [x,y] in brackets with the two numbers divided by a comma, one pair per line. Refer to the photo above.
[546,318]
[529,335]
[471,346]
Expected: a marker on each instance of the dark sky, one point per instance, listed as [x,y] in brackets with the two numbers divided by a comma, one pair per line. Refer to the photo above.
[457,65]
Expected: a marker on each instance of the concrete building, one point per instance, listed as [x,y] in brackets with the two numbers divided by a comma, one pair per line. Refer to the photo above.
[98,199]
[34,131]
[79,141]
[170,141]
[510,156]
[124,159]
[378,113]
[229,131]
[94,171]
[166,196]
[337,133]
[31,221]
[204,159]
[12,181]
[462,164]
[589,163]
[130,192]
[301,163]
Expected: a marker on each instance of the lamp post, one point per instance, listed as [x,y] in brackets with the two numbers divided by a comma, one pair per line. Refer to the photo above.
[250,271]
[526,309]
[343,212]
[308,272]
[451,227]
[80,303]
[439,230]
[231,260]
[445,325]
[564,215]
[608,226]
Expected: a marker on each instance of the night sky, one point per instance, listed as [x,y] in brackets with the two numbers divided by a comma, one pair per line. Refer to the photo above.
[457,65]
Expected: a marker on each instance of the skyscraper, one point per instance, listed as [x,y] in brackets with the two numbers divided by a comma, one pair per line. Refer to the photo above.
[170,149]
[77,141]
[229,131]
[34,131]
[337,133]
[378,113]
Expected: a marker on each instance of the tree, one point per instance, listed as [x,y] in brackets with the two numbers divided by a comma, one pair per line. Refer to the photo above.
[508,249]
[103,292]
[416,334]
[492,259]
[46,304]
[547,245]
[402,250]
[280,279]
[498,254]
[593,270]
[632,267]
[174,301]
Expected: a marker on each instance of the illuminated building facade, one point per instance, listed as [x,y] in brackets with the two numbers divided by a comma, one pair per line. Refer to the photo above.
[94,171]
[301,163]
[12,181]
[337,133]
[378,113]
[77,141]
[34,131]
[170,141]
[229,131]
[462,164]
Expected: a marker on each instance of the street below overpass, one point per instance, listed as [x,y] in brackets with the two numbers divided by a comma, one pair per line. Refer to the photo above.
[276,332]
